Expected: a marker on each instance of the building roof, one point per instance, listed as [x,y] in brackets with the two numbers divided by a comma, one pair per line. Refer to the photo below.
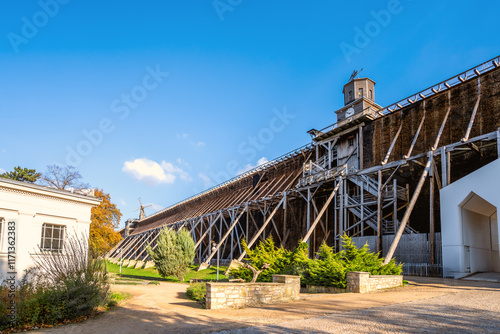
[48,191]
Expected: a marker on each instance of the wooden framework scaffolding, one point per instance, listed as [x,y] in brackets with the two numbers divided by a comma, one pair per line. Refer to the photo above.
[308,195]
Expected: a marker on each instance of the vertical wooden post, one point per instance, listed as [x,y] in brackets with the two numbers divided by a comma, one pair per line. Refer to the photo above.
[201,234]
[444,166]
[431,215]
[329,155]
[284,222]
[448,166]
[248,221]
[395,207]
[362,208]
[232,237]
[344,213]
[498,142]
[210,236]
[335,223]
[341,212]
[360,143]
[379,213]
[308,213]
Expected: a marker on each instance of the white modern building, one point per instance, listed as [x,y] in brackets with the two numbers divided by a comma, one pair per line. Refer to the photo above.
[33,216]
[469,218]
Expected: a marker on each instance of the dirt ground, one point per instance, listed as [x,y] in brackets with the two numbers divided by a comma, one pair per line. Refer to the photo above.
[165,308]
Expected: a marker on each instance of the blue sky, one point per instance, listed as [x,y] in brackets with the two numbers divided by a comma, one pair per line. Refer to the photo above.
[162,99]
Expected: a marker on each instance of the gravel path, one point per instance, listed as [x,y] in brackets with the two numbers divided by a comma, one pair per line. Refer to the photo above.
[426,305]
[469,311]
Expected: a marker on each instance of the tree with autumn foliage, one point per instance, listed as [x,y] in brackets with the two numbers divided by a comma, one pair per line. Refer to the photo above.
[105,219]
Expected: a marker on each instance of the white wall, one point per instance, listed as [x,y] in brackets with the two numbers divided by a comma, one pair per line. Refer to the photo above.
[30,207]
[477,236]
[474,200]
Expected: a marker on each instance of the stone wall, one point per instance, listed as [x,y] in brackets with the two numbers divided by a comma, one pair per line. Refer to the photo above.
[226,295]
[361,282]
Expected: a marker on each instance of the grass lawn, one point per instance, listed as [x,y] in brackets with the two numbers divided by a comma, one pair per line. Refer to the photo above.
[151,274]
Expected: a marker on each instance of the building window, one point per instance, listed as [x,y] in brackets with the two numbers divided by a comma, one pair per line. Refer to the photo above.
[371,94]
[53,237]
[350,141]
[350,95]
[360,92]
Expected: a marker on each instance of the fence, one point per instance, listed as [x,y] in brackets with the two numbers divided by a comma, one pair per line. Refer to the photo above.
[413,250]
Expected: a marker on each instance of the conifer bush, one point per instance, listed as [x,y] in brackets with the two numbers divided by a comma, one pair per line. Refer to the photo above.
[174,253]
[328,269]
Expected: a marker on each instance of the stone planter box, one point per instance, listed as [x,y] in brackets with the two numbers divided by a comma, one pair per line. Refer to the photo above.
[227,295]
[361,282]
[323,289]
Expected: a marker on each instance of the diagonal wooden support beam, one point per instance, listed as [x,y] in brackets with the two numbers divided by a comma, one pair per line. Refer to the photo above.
[143,244]
[409,210]
[250,244]
[221,241]
[418,189]
[139,239]
[438,138]
[325,206]
[416,136]
[472,117]
[133,240]
[392,145]
[208,229]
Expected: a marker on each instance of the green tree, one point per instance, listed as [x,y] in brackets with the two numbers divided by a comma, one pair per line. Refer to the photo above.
[104,220]
[173,254]
[22,174]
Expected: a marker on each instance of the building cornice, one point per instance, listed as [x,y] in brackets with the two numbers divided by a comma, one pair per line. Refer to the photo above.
[45,192]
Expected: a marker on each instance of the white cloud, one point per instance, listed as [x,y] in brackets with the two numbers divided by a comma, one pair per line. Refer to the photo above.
[151,172]
[4,150]
[182,162]
[206,180]
[2,170]
[122,202]
[182,135]
[249,166]
[262,161]
[200,144]
[173,170]
[156,207]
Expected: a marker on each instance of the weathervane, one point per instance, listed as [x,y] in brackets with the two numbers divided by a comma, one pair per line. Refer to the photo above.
[354,74]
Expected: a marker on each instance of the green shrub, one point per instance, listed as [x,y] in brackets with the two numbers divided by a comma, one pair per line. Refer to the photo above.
[60,287]
[328,269]
[280,260]
[174,253]
[116,297]
[197,291]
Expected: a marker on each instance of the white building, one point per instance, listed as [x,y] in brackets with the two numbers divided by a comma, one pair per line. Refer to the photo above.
[469,223]
[38,216]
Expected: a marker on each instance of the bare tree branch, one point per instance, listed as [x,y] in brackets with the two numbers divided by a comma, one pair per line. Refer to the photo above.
[62,178]
[256,272]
